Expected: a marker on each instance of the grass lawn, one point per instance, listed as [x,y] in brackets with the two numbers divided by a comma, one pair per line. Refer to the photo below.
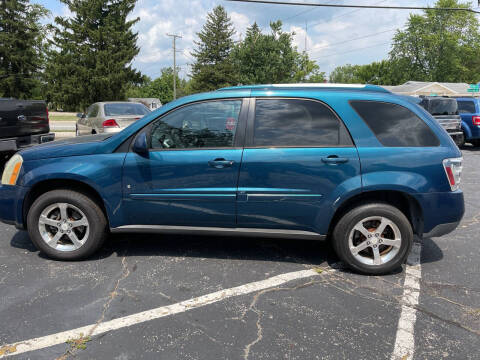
[55,117]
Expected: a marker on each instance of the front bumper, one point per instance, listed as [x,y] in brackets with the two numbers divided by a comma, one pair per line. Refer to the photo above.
[442,212]
[11,199]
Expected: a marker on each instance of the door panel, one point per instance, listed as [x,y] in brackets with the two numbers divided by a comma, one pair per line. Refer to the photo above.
[181,188]
[294,188]
[299,159]
[190,175]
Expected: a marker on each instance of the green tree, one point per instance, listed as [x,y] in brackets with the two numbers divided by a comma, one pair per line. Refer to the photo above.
[346,74]
[92,53]
[272,58]
[213,67]
[384,72]
[21,47]
[439,45]
[160,88]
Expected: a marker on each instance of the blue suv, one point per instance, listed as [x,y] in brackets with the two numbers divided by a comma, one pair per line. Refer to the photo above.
[357,165]
[469,109]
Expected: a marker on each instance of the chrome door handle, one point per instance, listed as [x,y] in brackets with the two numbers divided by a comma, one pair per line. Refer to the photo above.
[21,117]
[221,163]
[334,159]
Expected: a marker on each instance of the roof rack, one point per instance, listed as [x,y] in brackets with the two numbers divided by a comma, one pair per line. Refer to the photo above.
[312,86]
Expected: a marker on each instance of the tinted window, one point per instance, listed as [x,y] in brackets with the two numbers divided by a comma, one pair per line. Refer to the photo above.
[295,122]
[206,124]
[395,125]
[125,109]
[440,106]
[466,107]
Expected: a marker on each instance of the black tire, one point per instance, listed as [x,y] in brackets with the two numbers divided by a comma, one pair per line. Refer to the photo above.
[475,142]
[461,141]
[96,222]
[351,218]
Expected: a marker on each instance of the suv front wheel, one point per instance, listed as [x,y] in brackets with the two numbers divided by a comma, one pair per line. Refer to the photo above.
[373,239]
[66,225]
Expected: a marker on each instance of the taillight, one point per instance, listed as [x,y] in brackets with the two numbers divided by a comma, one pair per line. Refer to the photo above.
[476,120]
[110,123]
[48,117]
[453,169]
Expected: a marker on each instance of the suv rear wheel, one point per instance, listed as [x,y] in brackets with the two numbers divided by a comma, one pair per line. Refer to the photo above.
[66,225]
[374,238]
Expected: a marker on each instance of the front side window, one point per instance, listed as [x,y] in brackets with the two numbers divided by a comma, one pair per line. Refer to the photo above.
[466,107]
[210,124]
[395,125]
[297,122]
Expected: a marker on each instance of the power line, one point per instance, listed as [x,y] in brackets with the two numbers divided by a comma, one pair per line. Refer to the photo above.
[346,13]
[361,37]
[356,6]
[352,50]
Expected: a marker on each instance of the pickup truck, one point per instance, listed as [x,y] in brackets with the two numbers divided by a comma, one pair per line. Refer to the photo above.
[23,123]
[469,109]
[445,111]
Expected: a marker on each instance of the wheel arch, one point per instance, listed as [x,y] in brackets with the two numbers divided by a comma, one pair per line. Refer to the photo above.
[405,202]
[61,184]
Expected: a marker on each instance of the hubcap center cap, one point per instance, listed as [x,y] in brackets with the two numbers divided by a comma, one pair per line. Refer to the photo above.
[64,226]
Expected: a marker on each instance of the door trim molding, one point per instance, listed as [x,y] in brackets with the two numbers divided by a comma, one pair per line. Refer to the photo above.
[218,231]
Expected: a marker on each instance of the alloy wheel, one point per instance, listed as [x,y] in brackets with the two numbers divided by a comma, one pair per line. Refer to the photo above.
[63,227]
[375,240]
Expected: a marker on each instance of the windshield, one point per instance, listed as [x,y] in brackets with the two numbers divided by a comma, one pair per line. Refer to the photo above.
[125,109]
[443,107]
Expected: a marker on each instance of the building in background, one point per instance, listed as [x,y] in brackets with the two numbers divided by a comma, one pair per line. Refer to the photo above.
[151,103]
[417,88]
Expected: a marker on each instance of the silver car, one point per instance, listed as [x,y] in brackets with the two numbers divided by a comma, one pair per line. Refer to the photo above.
[109,117]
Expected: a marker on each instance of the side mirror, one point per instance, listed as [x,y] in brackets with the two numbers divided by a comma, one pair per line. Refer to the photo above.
[80,115]
[140,145]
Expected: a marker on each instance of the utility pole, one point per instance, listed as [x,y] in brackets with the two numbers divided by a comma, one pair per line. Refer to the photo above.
[306,34]
[174,37]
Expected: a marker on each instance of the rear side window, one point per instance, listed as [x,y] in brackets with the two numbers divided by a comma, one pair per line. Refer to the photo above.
[297,122]
[395,125]
[466,107]
[118,109]
[92,111]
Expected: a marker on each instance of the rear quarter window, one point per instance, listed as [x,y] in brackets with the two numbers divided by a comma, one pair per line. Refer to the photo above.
[466,107]
[395,125]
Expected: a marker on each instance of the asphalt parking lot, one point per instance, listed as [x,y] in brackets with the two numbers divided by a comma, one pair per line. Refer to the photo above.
[130,301]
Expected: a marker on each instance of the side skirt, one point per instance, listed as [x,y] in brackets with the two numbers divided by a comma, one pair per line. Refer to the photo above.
[217,231]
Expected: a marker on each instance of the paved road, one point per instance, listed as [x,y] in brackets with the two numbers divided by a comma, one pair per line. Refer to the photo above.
[333,315]
[62,125]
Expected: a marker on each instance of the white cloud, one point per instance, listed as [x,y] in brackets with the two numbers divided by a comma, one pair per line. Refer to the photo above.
[241,23]
[314,46]
[332,33]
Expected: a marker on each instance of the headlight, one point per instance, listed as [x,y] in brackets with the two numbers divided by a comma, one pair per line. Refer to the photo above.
[12,170]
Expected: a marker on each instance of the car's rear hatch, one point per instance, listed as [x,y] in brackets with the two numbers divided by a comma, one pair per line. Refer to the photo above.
[125,120]
[451,123]
[445,111]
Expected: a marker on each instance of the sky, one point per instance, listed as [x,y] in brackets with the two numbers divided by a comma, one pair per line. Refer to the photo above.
[334,36]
